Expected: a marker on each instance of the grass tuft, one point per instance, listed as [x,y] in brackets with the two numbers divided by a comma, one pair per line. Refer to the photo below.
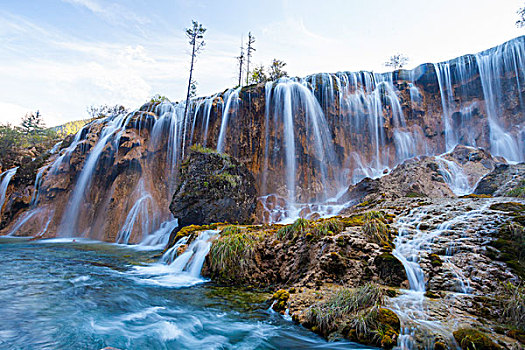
[376,229]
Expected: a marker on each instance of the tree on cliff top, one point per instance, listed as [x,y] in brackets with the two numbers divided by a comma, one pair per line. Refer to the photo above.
[275,71]
[195,35]
[240,58]
[249,49]
[396,61]
[258,75]
[520,23]
[32,123]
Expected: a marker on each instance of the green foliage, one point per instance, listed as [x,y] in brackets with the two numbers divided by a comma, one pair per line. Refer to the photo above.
[71,127]
[520,23]
[294,230]
[32,123]
[258,75]
[159,99]
[10,138]
[345,302]
[275,71]
[328,227]
[231,253]
[472,339]
[193,88]
[201,149]
[518,191]
[513,305]
[195,34]
[376,229]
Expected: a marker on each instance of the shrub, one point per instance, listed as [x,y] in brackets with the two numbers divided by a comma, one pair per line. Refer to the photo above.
[231,253]
[346,301]
[328,227]
[294,230]
[376,229]
[513,305]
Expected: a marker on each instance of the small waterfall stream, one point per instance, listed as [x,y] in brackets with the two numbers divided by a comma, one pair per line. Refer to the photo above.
[414,244]
[183,270]
[5,178]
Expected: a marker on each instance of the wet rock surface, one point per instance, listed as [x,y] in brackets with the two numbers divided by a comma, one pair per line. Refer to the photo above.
[503,180]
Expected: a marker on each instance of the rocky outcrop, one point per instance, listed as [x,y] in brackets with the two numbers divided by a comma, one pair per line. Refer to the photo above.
[504,180]
[213,187]
[426,177]
[329,251]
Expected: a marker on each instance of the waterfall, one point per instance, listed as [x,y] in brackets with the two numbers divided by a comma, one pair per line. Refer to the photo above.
[454,176]
[5,179]
[160,237]
[229,109]
[185,269]
[413,243]
[306,142]
[69,225]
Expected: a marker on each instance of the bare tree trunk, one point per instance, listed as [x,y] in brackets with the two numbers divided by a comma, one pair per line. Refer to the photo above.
[190,80]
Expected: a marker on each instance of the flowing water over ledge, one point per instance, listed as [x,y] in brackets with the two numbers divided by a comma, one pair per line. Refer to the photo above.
[86,295]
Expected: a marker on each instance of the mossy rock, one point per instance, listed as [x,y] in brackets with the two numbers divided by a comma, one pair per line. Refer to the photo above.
[472,339]
[390,270]
[432,295]
[509,207]
[280,299]
[435,260]
[389,318]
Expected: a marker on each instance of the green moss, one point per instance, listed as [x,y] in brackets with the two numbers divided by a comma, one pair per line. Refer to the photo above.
[188,230]
[472,339]
[435,260]
[432,295]
[344,304]
[472,195]
[415,195]
[510,242]
[510,207]
[280,300]
[328,227]
[201,149]
[518,191]
[439,346]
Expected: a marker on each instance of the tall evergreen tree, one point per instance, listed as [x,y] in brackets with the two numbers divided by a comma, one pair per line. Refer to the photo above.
[195,35]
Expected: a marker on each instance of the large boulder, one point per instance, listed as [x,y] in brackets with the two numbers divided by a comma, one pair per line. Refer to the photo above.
[503,180]
[213,187]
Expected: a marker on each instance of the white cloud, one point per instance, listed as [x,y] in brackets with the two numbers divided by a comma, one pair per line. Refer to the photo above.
[12,113]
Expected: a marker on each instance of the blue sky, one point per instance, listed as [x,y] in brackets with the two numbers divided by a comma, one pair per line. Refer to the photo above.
[60,56]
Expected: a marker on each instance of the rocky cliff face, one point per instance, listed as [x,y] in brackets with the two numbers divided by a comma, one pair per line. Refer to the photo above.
[304,140]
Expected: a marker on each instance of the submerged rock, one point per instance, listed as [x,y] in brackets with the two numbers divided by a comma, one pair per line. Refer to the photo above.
[213,187]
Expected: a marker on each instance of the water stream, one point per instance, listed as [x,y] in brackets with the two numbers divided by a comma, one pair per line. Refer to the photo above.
[98,288]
